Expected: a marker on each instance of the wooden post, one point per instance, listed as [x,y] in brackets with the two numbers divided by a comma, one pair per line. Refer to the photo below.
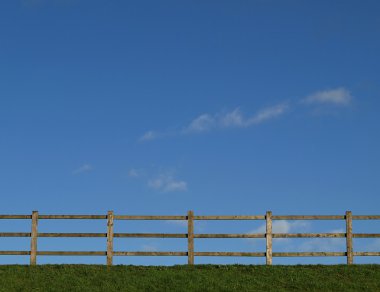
[350,255]
[33,243]
[268,236]
[190,237]
[110,218]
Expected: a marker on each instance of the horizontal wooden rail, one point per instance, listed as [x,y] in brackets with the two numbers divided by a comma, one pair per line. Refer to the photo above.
[309,254]
[72,253]
[72,235]
[15,234]
[366,253]
[309,217]
[14,252]
[151,235]
[150,253]
[15,216]
[230,235]
[135,217]
[308,235]
[230,254]
[259,217]
[72,217]
[366,235]
[366,217]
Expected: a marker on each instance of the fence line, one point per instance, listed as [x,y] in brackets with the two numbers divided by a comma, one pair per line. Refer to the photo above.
[191,236]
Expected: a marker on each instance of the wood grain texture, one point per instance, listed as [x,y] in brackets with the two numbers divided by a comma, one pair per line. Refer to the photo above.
[268,253]
[15,234]
[151,235]
[148,217]
[190,237]
[230,254]
[309,254]
[350,257]
[229,235]
[72,253]
[72,217]
[150,253]
[308,217]
[15,217]
[110,238]
[33,242]
[258,217]
[309,235]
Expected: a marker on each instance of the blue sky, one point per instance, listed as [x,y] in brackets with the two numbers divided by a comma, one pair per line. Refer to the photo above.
[159,107]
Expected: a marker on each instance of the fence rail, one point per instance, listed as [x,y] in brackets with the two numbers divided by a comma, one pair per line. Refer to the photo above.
[191,236]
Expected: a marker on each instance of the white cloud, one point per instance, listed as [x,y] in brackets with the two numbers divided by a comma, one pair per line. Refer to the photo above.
[338,96]
[268,113]
[235,118]
[148,136]
[83,168]
[133,173]
[167,183]
[201,124]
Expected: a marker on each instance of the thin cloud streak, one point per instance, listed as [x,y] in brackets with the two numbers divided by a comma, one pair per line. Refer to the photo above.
[338,96]
[82,169]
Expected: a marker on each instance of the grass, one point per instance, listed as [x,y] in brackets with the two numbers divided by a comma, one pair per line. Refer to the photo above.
[186,278]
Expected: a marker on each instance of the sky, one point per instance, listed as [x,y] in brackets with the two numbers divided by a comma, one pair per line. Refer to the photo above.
[160,107]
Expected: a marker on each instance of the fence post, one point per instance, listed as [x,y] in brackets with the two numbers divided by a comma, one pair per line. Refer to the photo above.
[350,255]
[33,243]
[110,217]
[190,237]
[268,236]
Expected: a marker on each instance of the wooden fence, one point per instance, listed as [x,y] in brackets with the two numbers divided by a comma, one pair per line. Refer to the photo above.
[191,236]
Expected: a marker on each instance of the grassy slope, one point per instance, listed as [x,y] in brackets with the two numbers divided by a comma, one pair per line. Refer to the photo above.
[184,278]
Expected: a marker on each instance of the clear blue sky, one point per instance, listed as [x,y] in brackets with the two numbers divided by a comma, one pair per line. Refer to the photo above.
[159,107]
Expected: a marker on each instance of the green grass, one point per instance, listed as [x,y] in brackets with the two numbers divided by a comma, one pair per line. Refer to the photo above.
[185,278]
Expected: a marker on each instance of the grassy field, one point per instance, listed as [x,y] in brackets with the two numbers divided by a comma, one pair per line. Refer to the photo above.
[185,278]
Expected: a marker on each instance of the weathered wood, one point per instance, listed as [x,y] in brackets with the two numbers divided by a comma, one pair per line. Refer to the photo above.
[308,235]
[230,235]
[15,217]
[33,243]
[72,253]
[350,257]
[366,217]
[370,253]
[268,253]
[309,254]
[15,234]
[366,235]
[72,234]
[308,217]
[258,217]
[150,253]
[14,252]
[190,237]
[146,217]
[151,235]
[230,254]
[72,217]
[110,217]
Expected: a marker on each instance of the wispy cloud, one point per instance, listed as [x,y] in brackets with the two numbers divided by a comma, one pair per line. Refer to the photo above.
[234,119]
[167,183]
[134,173]
[83,168]
[338,96]
[149,247]
[324,244]
[148,136]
